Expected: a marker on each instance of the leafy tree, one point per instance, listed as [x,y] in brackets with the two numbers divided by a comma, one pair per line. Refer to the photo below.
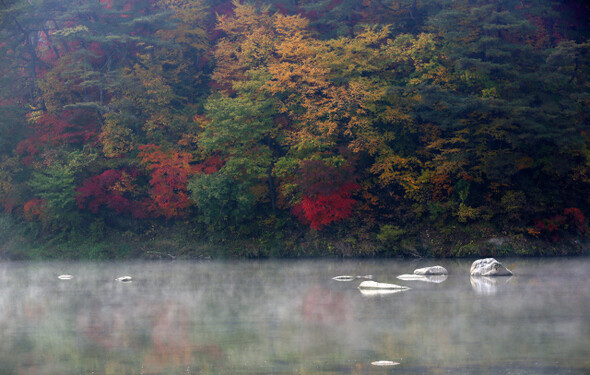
[169,174]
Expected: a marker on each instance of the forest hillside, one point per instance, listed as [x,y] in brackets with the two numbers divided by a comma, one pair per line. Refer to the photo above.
[294,127]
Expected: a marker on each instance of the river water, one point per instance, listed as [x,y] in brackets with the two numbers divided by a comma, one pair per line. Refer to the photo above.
[291,317]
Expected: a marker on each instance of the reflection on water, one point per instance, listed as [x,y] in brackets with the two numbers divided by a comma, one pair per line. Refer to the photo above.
[488,285]
[291,317]
[426,278]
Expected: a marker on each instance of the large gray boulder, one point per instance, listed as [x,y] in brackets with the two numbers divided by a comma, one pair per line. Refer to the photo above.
[433,270]
[489,267]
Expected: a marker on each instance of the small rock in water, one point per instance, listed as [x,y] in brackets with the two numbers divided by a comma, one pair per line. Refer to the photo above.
[124,279]
[65,277]
[489,267]
[344,278]
[384,363]
[434,270]
[351,278]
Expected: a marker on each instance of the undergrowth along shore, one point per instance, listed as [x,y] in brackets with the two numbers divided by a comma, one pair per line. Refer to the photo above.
[176,243]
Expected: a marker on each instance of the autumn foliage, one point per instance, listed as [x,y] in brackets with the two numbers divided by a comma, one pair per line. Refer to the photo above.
[321,210]
[107,189]
[369,118]
[169,174]
[572,220]
[34,209]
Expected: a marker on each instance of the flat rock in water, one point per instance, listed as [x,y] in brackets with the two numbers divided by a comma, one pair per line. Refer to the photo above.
[384,363]
[375,285]
[437,279]
[433,270]
[381,292]
[489,267]
[344,278]
[351,278]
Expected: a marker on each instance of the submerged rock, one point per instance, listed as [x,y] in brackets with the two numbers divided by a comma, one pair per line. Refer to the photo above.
[489,267]
[437,279]
[433,270]
[376,285]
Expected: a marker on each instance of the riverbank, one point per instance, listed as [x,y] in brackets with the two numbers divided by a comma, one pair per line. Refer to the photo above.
[176,242]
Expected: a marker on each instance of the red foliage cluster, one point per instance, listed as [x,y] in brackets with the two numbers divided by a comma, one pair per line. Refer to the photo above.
[34,209]
[210,165]
[169,174]
[71,127]
[576,219]
[322,209]
[327,193]
[102,190]
[572,219]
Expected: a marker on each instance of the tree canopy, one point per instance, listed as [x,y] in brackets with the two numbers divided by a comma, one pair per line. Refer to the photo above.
[380,120]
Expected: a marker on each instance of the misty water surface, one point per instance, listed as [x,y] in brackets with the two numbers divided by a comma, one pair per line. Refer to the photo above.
[290,317]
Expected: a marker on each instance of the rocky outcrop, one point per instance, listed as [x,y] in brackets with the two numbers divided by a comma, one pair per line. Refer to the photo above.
[433,270]
[489,267]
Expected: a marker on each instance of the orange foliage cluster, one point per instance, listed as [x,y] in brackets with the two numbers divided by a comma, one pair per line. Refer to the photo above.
[34,209]
[169,174]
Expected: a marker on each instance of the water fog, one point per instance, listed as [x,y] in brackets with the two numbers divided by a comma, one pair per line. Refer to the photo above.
[291,317]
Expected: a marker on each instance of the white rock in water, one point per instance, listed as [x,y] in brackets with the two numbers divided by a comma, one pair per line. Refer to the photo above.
[124,278]
[489,267]
[375,285]
[434,270]
[384,363]
[65,277]
[437,279]
[351,278]
[381,292]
